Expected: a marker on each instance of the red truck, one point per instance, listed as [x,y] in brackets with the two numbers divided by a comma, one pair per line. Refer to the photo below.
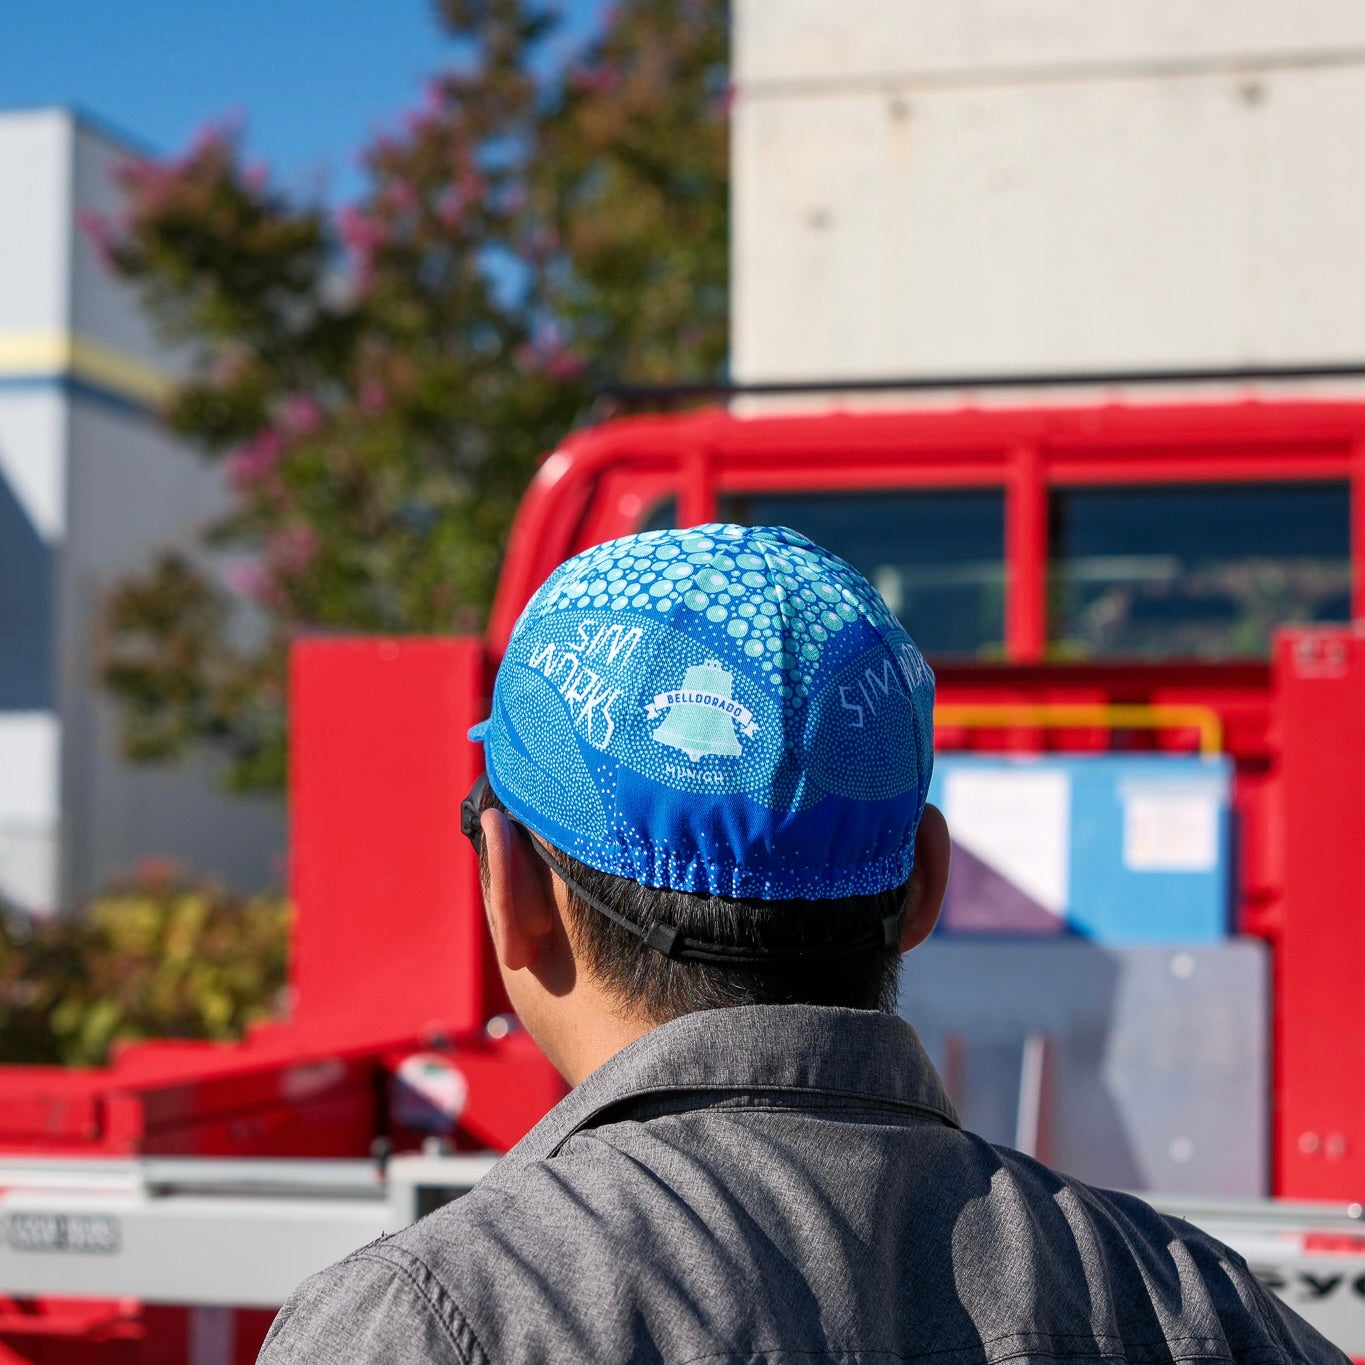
[1097,579]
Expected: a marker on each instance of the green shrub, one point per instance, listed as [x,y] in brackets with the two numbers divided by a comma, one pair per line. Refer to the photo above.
[159,957]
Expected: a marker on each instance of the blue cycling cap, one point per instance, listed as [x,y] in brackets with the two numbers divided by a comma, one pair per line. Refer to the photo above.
[723,709]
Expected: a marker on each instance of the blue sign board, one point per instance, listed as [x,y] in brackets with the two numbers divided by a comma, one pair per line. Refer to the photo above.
[1116,848]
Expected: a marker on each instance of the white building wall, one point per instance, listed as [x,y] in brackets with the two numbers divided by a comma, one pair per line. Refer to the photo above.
[35,234]
[32,527]
[36,152]
[104,315]
[90,486]
[940,187]
[30,816]
[118,812]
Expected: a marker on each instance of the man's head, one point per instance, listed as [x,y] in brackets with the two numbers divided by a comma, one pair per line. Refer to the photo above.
[717,744]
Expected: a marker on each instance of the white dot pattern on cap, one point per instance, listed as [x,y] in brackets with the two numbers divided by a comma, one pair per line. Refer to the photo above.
[767,589]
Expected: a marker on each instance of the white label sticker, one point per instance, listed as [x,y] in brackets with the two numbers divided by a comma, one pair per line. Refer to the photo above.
[1170,830]
[81,1233]
[1019,824]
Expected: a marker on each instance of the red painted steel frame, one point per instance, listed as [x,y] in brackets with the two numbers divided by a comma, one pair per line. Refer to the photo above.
[388,946]
[1026,556]
[380,763]
[388,956]
[592,486]
[1319,717]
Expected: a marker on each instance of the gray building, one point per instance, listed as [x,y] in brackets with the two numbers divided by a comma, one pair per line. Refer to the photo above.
[90,485]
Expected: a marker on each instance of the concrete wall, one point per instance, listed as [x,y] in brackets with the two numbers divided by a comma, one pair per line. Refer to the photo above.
[972,186]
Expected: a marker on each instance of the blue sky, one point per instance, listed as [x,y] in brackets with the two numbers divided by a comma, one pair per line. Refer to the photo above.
[314,80]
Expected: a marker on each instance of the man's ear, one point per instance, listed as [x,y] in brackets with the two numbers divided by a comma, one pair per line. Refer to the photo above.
[928,880]
[517,894]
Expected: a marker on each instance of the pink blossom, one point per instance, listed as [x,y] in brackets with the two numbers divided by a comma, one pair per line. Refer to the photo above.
[292,549]
[101,231]
[360,232]
[256,176]
[214,142]
[251,464]
[594,80]
[548,355]
[144,180]
[254,582]
[363,236]
[401,197]
[245,578]
[419,122]
[450,208]
[134,172]
[471,187]
[374,397]
[565,366]
[303,415]
[434,96]
[217,135]
[230,367]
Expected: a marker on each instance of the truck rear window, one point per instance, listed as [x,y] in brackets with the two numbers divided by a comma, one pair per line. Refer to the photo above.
[1194,571]
[936,557]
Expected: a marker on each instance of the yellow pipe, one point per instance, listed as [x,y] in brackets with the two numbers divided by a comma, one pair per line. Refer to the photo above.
[1084,715]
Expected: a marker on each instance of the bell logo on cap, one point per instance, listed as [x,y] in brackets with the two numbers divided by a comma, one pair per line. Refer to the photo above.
[702,714]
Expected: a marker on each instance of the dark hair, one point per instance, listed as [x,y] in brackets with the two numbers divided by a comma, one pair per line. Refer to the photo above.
[662,988]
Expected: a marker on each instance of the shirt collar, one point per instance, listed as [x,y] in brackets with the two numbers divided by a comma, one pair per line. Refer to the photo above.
[858,1054]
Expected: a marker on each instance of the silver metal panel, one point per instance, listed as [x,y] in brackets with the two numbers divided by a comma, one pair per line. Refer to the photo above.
[243,1251]
[243,1233]
[1136,1068]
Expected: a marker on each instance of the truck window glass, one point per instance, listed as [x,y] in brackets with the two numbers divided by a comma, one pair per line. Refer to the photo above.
[1194,571]
[937,558]
[663,516]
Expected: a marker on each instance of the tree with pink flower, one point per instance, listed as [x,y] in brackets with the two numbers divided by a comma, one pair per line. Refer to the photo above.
[378,381]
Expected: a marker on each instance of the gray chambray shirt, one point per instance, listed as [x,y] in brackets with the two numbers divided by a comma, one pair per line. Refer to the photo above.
[783,1184]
